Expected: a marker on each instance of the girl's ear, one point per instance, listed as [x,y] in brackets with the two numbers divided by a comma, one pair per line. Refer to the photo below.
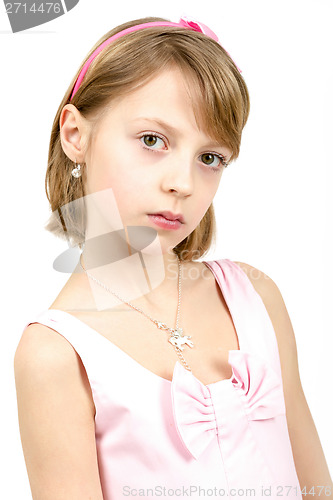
[74,130]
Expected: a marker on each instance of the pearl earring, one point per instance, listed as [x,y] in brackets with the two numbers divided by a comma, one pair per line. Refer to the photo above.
[76,172]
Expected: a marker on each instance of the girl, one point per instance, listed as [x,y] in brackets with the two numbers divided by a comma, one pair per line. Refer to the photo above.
[106,410]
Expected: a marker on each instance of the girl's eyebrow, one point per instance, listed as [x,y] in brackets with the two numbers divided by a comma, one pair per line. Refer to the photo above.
[167,126]
[173,130]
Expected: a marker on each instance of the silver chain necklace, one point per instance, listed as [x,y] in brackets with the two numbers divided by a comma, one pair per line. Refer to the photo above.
[177,339]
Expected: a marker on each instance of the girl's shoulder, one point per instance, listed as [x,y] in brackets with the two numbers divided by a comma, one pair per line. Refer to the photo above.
[260,281]
[285,336]
[270,295]
[42,352]
[49,362]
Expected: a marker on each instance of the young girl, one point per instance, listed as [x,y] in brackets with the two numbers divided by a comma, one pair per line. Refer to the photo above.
[153,373]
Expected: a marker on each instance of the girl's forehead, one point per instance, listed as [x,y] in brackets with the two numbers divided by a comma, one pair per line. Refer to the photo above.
[167,85]
[168,98]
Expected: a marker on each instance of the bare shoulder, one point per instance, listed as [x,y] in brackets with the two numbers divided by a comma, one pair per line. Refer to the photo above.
[45,356]
[261,281]
[41,348]
[277,311]
[42,344]
[56,417]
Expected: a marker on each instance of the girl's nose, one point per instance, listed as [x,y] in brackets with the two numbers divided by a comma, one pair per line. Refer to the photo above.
[179,177]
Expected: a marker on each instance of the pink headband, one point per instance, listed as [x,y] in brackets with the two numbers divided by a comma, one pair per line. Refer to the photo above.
[183,22]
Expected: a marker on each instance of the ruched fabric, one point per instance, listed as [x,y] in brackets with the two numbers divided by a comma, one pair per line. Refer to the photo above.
[181,437]
[196,417]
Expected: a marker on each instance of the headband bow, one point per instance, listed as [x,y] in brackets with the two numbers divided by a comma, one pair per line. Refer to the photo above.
[195,26]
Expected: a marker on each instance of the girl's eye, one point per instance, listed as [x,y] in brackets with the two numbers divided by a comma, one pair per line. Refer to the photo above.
[221,160]
[150,140]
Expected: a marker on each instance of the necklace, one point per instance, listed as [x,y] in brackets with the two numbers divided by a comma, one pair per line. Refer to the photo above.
[177,339]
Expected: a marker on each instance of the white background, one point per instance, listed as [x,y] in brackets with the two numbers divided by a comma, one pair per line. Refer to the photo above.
[273,208]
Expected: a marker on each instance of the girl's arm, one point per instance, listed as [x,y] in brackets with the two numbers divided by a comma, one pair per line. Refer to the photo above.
[56,418]
[311,466]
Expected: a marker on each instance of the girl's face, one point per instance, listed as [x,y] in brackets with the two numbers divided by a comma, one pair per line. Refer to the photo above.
[152,166]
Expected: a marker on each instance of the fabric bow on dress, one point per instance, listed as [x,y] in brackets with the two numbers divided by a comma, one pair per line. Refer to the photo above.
[222,409]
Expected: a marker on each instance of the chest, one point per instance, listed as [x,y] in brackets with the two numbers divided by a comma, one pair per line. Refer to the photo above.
[204,316]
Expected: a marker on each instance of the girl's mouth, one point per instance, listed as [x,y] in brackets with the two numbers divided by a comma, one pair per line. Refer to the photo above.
[163,222]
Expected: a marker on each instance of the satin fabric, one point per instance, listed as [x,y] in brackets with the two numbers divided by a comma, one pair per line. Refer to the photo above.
[156,437]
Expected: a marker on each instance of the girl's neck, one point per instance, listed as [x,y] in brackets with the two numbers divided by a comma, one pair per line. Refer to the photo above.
[142,278]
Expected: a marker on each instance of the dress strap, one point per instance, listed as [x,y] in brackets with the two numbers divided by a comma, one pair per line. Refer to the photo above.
[252,322]
[68,326]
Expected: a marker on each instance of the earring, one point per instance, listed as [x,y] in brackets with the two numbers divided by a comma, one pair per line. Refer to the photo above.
[76,172]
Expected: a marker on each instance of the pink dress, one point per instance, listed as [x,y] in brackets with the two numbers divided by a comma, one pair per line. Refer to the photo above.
[156,437]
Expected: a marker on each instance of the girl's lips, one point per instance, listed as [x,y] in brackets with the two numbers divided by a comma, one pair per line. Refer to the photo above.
[164,223]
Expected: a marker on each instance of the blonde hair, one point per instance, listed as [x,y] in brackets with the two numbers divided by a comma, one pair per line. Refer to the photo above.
[220,102]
